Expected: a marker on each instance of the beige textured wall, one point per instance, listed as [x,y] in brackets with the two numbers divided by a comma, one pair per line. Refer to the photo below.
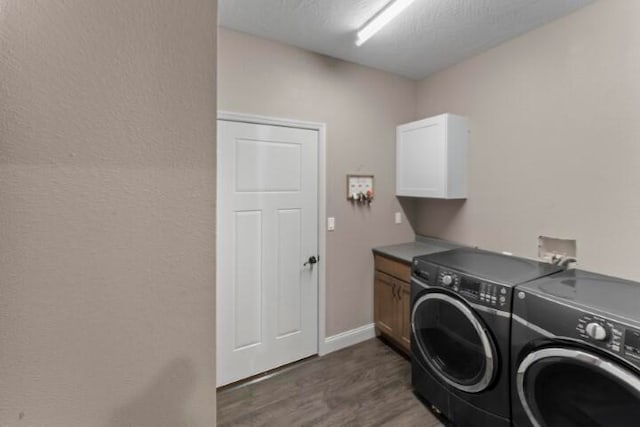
[555,144]
[107,192]
[361,108]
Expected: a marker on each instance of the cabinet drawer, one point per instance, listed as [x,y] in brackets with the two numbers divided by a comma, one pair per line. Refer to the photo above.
[393,268]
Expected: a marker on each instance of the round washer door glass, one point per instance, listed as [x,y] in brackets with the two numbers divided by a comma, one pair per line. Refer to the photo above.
[453,342]
[562,387]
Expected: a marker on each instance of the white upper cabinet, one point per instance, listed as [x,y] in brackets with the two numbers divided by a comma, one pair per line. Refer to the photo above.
[431,157]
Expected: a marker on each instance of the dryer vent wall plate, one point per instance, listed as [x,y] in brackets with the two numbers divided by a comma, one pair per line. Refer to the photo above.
[551,248]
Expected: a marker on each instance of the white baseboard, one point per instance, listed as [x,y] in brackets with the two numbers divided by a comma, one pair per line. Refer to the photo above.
[348,338]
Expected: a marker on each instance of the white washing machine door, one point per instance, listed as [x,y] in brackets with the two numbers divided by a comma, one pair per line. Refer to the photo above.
[566,387]
[453,342]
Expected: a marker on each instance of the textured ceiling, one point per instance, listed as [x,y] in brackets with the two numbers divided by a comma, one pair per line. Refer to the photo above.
[428,36]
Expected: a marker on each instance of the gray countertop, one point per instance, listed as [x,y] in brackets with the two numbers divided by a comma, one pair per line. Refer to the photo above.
[405,252]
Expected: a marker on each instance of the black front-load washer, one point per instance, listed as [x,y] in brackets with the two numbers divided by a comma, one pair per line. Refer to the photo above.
[576,352]
[460,330]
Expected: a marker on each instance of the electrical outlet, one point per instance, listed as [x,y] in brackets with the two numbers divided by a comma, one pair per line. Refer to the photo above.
[331,223]
[398,218]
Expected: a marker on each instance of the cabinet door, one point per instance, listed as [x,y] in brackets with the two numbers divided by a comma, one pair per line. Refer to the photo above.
[404,315]
[385,311]
[421,158]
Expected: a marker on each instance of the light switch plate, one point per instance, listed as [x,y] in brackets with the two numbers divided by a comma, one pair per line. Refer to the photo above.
[331,223]
[398,218]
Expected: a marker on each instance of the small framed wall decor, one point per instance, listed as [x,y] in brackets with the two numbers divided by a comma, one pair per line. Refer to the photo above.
[360,188]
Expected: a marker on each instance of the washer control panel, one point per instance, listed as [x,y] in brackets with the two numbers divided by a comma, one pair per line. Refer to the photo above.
[632,344]
[599,330]
[611,335]
[475,290]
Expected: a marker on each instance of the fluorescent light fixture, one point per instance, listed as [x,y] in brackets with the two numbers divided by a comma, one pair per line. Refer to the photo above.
[383,17]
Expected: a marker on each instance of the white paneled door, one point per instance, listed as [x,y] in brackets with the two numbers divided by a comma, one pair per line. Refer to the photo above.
[267,299]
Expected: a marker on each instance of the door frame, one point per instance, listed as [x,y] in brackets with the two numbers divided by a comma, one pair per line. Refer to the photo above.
[321,128]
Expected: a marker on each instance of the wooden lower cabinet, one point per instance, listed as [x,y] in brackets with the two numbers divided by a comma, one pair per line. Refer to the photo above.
[385,313]
[392,301]
[405,316]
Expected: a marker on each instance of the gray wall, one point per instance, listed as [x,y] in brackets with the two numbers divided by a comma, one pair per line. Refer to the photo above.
[361,108]
[555,144]
[107,192]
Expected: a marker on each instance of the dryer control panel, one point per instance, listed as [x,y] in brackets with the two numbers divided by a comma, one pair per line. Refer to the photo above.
[475,290]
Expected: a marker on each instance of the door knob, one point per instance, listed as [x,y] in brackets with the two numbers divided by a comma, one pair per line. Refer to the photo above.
[312,260]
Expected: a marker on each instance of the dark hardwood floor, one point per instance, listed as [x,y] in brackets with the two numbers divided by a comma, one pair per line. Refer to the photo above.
[364,385]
